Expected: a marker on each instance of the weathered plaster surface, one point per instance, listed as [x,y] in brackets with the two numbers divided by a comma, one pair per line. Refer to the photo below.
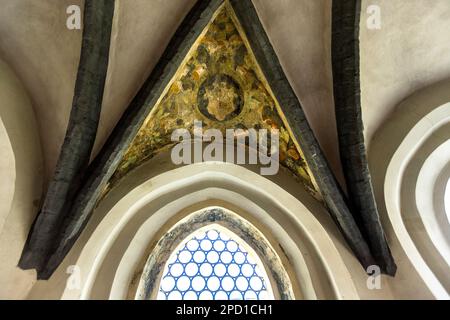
[44,54]
[19,123]
[409,52]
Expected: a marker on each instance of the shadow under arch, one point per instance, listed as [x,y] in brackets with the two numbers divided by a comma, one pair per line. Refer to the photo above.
[26,181]
[396,156]
[441,191]
[117,245]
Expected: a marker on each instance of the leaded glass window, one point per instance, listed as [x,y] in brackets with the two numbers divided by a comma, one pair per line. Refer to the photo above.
[214,264]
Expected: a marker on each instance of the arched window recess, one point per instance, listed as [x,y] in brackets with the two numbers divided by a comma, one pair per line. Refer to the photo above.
[214,255]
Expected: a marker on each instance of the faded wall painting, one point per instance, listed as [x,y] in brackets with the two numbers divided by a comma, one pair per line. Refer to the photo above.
[220,85]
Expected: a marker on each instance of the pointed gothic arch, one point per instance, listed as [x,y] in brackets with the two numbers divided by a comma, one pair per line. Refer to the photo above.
[140,211]
[228,253]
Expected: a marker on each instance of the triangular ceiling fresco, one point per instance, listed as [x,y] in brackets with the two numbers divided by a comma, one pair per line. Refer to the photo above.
[220,84]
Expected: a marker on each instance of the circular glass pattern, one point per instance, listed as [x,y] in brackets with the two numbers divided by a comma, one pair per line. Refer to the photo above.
[213,266]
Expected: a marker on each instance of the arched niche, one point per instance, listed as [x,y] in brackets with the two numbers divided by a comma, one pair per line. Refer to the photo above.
[407,161]
[226,228]
[429,195]
[137,213]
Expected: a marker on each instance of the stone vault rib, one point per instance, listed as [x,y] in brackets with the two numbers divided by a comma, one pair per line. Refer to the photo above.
[347,95]
[292,109]
[80,135]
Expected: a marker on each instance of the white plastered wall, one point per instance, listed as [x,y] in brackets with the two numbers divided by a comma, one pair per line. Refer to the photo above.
[22,163]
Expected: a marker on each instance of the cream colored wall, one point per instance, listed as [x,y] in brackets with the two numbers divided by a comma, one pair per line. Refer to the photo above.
[300,32]
[408,53]
[8,174]
[17,118]
[44,54]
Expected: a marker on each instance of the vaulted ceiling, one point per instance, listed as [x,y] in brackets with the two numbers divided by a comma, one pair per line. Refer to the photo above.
[409,52]
[46,58]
